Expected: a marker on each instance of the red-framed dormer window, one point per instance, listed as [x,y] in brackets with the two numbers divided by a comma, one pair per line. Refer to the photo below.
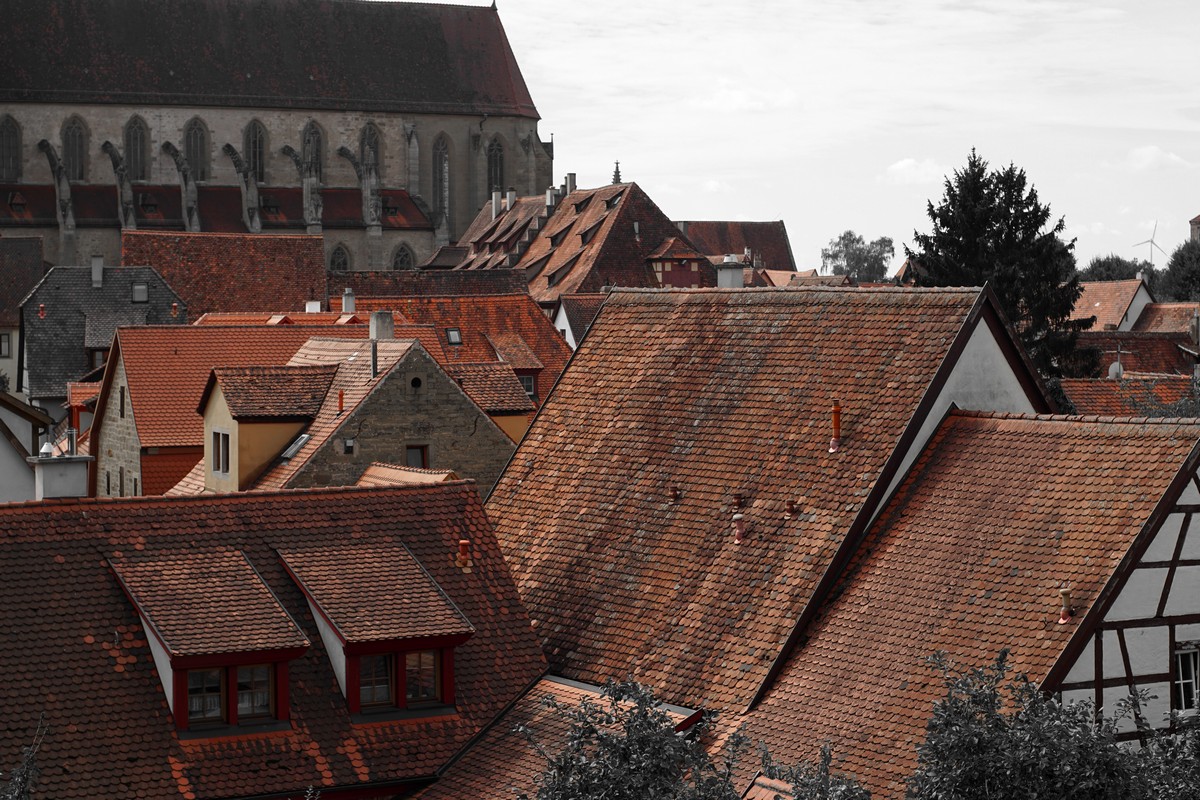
[400,680]
[231,695]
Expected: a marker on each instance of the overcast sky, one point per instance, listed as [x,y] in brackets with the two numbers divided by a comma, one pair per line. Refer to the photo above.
[836,114]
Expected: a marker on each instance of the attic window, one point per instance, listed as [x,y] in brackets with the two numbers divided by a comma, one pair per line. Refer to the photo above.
[582,204]
[529,384]
[295,446]
[557,238]
[453,335]
[1186,695]
[590,233]
[140,293]
[616,198]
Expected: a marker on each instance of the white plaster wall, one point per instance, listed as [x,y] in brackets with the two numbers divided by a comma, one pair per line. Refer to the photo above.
[16,478]
[333,646]
[1191,541]
[1112,699]
[1084,667]
[1148,649]
[564,326]
[1135,308]
[981,380]
[1162,546]
[162,663]
[1074,696]
[1138,598]
[1185,592]
[1190,495]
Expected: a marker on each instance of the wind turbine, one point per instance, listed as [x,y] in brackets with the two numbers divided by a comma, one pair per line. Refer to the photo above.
[1153,244]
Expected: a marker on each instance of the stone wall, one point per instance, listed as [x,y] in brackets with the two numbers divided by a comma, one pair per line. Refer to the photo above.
[118,446]
[396,415]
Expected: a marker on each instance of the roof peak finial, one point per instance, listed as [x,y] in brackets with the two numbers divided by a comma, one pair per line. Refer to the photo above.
[617,173]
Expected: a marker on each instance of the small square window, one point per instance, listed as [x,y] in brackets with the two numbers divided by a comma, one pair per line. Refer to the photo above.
[1187,680]
[375,681]
[453,336]
[529,384]
[5,345]
[348,446]
[204,696]
[141,293]
[417,456]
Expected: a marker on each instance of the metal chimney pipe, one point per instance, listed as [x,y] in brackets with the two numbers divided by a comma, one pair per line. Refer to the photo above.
[570,182]
[512,199]
[495,203]
[348,301]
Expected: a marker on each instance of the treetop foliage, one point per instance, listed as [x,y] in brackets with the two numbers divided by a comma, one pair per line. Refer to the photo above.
[1181,279]
[849,254]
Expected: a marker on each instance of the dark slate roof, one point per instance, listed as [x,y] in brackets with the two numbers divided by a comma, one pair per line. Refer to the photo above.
[337,54]
[21,267]
[435,282]
[79,316]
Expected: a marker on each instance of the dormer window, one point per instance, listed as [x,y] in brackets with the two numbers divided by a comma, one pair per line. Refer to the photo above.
[453,336]
[140,293]
[220,639]
[390,657]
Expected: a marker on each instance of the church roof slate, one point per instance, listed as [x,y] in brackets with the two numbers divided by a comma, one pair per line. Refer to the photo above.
[338,54]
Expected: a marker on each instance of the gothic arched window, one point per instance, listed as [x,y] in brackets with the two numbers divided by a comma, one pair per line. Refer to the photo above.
[441,177]
[403,259]
[495,167]
[372,147]
[313,150]
[10,150]
[339,259]
[74,149]
[256,151]
[137,150]
[195,148]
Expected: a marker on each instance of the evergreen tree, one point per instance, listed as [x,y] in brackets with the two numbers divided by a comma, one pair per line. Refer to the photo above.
[990,227]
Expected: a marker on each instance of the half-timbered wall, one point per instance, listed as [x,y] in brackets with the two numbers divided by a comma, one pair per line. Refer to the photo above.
[1155,613]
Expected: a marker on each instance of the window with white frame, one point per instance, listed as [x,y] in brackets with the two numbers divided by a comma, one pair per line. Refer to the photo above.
[1187,679]
[220,453]
[5,345]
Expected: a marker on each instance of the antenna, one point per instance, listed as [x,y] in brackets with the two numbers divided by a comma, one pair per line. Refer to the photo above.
[1153,244]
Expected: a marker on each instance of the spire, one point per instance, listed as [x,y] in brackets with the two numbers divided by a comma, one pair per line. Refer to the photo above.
[617,173]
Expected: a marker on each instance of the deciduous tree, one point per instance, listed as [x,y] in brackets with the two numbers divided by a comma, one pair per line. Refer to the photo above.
[1181,279]
[864,262]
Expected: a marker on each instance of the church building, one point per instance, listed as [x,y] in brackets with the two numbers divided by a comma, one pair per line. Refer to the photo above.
[382,126]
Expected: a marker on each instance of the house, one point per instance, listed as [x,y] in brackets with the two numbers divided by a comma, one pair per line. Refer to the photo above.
[382,153]
[1169,353]
[69,318]
[337,407]
[22,428]
[222,272]
[509,330]
[1132,394]
[764,244]
[1116,305]
[1168,318]
[352,640]
[573,315]
[146,410]
[1084,572]
[22,267]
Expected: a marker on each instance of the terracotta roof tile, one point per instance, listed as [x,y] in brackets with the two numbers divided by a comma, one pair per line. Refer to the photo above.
[162,470]
[1107,301]
[1141,351]
[375,593]
[206,603]
[1133,395]
[493,386]
[288,318]
[1167,317]
[768,241]
[232,272]
[381,474]
[261,392]
[581,309]
[86,664]
[709,394]
[79,393]
[936,573]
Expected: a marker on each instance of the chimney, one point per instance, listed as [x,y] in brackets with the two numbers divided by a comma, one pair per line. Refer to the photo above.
[739,528]
[835,443]
[1068,610]
[570,182]
[683,226]
[729,273]
[348,301]
[97,271]
[463,559]
[59,476]
[551,201]
[495,203]
[383,326]
[72,441]
[312,306]
[512,199]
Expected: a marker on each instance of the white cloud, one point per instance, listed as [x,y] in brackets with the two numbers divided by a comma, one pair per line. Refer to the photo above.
[1152,157]
[908,171]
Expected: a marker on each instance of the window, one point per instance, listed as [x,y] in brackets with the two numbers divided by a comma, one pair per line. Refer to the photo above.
[313,148]
[74,149]
[140,293]
[453,336]
[495,165]
[137,150]
[422,678]
[97,357]
[1187,680]
[204,696]
[348,444]
[5,345]
[529,384]
[121,482]
[403,259]
[10,150]
[375,681]
[195,149]
[121,403]
[135,488]
[256,151]
[108,483]
[339,259]
[371,148]
[220,453]
[255,692]
[441,178]
[417,455]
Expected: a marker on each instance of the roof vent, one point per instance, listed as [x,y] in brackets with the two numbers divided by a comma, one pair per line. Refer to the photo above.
[1068,611]
[739,528]
[463,559]
[295,446]
[789,508]
[348,300]
[835,443]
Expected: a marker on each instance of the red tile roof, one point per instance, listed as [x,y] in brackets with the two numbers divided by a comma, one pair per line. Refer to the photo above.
[288,318]
[79,393]
[493,386]
[1135,395]
[708,394]
[675,248]
[164,469]
[85,663]
[936,573]
[490,241]
[1165,353]
[372,594]
[381,474]
[232,272]
[1107,301]
[395,283]
[206,603]
[1167,317]
[279,392]
[581,309]
[768,241]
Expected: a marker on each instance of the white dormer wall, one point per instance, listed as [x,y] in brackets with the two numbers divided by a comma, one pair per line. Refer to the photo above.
[563,325]
[1134,639]
[162,662]
[1140,300]
[333,646]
